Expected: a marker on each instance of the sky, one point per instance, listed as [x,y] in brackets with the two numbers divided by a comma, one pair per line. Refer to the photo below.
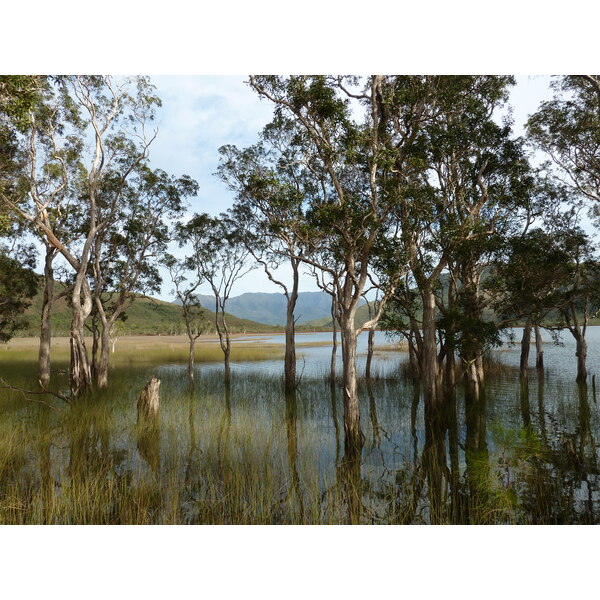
[199,114]
[266,36]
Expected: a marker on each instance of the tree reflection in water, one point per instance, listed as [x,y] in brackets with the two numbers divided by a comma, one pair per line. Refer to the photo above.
[524,451]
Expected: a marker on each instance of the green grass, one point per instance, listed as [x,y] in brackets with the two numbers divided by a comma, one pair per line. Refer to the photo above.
[242,454]
[146,316]
[145,350]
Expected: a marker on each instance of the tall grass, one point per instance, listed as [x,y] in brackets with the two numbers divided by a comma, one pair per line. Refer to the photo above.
[240,452]
[146,350]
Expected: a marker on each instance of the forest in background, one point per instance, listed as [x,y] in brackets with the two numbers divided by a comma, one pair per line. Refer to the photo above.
[413,189]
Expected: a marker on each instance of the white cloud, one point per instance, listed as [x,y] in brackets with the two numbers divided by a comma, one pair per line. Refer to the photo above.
[202,113]
[199,115]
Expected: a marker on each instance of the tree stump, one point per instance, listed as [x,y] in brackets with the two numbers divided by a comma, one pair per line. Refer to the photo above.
[147,405]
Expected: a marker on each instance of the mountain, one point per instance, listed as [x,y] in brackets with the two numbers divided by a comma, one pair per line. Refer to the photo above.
[326,324]
[146,316]
[271,308]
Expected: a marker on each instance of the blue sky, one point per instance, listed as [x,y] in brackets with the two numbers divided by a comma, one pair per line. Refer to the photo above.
[202,113]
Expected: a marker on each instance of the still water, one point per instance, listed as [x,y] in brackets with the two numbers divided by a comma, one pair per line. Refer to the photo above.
[241,452]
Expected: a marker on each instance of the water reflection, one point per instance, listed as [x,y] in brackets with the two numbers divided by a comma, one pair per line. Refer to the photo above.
[292,449]
[237,450]
[148,441]
[350,481]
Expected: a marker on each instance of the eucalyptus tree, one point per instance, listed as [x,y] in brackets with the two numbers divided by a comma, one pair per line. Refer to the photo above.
[408,105]
[112,115]
[338,123]
[523,283]
[549,279]
[18,284]
[221,259]
[185,277]
[459,182]
[271,186]
[24,99]
[329,282]
[567,129]
[125,254]
[578,296]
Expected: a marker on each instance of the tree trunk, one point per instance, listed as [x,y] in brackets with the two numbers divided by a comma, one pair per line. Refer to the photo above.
[149,399]
[413,359]
[480,371]
[581,353]
[525,345]
[223,332]
[191,359]
[429,366]
[290,342]
[95,347]
[148,424]
[226,358]
[370,345]
[539,347]
[450,371]
[472,383]
[80,373]
[335,421]
[102,374]
[46,326]
[352,430]
[334,346]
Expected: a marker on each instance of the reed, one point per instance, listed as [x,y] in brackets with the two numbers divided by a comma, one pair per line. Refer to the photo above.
[240,452]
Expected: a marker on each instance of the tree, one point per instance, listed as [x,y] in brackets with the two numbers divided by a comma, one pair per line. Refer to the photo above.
[185,291]
[550,278]
[567,129]
[469,187]
[18,284]
[221,259]
[270,192]
[341,151]
[20,98]
[578,297]
[125,254]
[113,114]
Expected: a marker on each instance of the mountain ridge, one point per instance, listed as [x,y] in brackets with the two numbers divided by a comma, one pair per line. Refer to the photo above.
[270,307]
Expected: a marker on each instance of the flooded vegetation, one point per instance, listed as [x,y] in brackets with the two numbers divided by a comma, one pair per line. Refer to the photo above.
[243,452]
[415,204]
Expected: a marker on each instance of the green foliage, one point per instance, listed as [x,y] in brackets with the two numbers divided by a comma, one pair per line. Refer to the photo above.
[18,285]
[567,128]
[538,274]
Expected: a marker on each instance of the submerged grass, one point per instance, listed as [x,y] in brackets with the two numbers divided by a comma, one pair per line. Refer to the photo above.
[146,350]
[240,452]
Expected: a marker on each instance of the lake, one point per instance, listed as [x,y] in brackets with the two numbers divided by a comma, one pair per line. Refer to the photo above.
[241,452]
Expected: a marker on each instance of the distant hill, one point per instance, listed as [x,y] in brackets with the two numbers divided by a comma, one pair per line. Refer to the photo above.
[270,308]
[326,323]
[146,316]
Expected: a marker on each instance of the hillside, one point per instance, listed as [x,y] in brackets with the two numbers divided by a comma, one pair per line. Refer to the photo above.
[362,316]
[271,308]
[146,316]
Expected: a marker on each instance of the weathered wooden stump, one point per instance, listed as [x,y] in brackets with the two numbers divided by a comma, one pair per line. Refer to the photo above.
[147,405]
[148,424]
